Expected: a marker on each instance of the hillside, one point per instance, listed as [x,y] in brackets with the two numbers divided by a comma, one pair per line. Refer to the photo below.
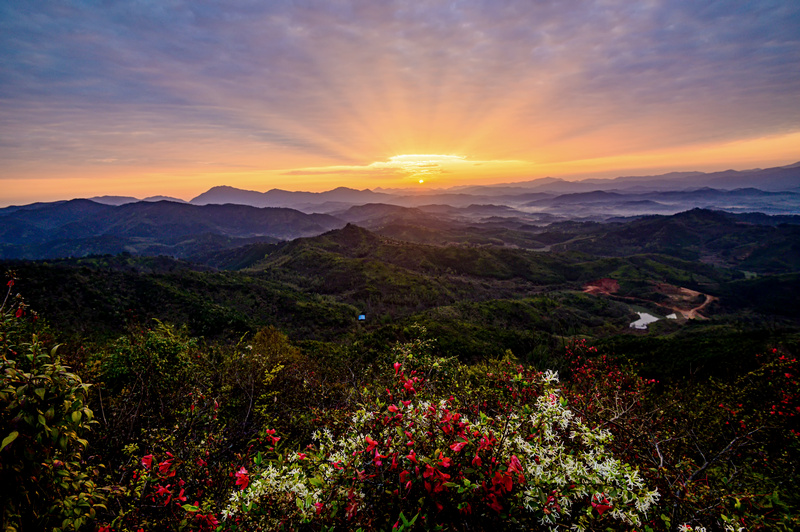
[710,236]
[82,227]
[209,374]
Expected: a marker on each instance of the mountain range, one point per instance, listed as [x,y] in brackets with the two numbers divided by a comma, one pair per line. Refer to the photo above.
[777,180]
[83,227]
[531,215]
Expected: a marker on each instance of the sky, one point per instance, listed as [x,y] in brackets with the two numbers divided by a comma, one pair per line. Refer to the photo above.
[172,97]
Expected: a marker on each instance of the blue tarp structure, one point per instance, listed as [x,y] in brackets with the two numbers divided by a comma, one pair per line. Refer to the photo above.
[362,317]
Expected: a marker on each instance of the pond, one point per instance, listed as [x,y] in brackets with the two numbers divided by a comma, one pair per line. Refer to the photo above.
[644,320]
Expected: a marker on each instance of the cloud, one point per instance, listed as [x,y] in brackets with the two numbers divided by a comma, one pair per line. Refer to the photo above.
[413,166]
[341,83]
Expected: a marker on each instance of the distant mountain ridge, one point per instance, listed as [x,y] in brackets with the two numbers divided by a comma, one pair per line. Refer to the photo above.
[769,180]
[122,200]
[283,198]
[776,179]
[225,217]
[82,227]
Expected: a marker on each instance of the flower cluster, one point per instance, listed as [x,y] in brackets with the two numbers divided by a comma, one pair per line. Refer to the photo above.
[536,464]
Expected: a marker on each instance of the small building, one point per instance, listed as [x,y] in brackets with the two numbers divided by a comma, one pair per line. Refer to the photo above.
[362,317]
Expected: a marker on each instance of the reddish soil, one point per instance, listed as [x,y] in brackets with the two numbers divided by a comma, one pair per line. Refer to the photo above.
[601,286]
[682,301]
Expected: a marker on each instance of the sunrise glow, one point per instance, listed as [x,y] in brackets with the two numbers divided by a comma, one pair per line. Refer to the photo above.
[279,96]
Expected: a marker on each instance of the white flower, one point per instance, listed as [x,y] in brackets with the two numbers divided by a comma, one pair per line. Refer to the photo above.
[550,376]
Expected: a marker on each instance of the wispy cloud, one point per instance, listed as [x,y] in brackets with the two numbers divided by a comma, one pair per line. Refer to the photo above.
[319,84]
[420,167]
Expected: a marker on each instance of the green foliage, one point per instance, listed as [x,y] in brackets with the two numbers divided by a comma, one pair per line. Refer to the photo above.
[261,360]
[45,480]
[720,453]
[146,377]
[412,450]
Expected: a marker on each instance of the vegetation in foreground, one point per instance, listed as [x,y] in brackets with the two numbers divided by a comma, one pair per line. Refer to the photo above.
[156,429]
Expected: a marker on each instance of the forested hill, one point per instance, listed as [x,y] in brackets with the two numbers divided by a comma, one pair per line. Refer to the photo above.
[209,376]
[710,236]
[82,227]
[313,288]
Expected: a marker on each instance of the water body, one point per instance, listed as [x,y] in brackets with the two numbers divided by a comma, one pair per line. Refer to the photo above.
[643,321]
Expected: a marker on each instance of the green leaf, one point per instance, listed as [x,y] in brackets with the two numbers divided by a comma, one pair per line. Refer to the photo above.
[76,417]
[8,439]
[190,508]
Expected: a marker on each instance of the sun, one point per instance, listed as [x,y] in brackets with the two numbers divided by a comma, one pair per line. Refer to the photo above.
[421,165]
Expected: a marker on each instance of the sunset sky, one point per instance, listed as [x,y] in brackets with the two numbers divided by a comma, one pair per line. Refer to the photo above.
[171,97]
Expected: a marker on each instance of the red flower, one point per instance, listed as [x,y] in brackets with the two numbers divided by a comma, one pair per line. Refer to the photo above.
[10,283]
[19,312]
[377,461]
[301,456]
[271,435]
[370,443]
[601,503]
[242,478]
[397,365]
[458,446]
[485,443]
[147,461]
[444,461]
[412,456]
[476,461]
[163,467]
[162,490]
[495,505]
[515,465]
[393,409]
[502,481]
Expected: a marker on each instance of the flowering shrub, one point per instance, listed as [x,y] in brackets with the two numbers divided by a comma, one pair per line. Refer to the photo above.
[45,482]
[416,451]
[717,451]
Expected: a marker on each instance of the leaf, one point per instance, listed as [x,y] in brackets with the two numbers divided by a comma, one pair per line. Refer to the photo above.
[76,417]
[8,439]
[190,508]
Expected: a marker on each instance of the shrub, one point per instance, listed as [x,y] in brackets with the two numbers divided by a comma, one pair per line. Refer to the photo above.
[45,483]
[417,452]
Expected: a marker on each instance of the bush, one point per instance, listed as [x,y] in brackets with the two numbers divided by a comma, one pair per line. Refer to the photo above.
[414,456]
[45,483]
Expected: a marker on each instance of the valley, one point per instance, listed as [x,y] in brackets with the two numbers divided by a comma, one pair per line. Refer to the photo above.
[208,330]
